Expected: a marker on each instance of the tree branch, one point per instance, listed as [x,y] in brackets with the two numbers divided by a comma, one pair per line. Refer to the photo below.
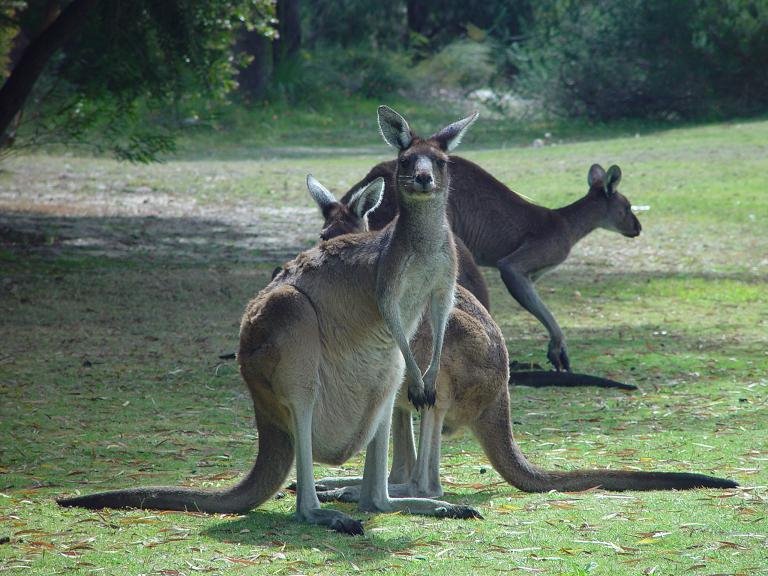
[18,85]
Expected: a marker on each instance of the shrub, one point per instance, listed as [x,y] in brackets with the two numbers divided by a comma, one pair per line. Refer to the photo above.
[646,58]
[463,64]
[325,72]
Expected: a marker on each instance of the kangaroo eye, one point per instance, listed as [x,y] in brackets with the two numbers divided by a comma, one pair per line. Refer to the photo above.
[440,163]
[403,161]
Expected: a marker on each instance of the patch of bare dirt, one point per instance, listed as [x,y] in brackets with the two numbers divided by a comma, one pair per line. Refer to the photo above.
[54,215]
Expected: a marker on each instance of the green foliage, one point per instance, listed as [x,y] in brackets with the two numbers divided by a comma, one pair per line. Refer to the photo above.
[8,30]
[135,71]
[330,73]
[732,38]
[136,129]
[162,49]
[639,58]
[348,23]
[463,65]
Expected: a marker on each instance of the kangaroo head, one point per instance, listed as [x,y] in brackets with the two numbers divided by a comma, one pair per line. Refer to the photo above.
[422,163]
[603,186]
[345,218]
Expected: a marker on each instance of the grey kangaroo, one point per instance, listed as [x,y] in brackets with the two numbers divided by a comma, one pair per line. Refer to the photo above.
[521,239]
[323,349]
[472,392]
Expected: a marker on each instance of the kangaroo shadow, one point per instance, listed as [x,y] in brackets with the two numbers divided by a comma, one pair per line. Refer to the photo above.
[266,528]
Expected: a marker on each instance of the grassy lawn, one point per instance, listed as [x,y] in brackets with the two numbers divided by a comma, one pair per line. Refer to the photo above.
[120,285]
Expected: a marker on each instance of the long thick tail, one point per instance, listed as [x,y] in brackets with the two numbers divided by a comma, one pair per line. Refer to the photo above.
[269,472]
[546,378]
[494,431]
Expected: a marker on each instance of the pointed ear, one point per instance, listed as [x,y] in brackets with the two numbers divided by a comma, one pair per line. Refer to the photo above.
[450,136]
[613,178]
[367,198]
[320,194]
[596,177]
[394,128]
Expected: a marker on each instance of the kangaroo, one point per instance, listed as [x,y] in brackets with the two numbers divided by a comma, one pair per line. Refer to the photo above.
[340,218]
[523,240]
[472,392]
[351,216]
[323,349]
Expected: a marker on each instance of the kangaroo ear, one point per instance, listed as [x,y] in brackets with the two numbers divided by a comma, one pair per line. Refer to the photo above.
[367,198]
[320,194]
[394,128]
[613,179]
[596,177]
[450,136]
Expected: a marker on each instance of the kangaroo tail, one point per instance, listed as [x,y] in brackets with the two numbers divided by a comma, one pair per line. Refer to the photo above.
[494,431]
[269,472]
[545,378]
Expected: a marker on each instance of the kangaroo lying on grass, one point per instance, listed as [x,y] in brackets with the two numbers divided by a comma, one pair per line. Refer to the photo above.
[472,392]
[521,239]
[324,346]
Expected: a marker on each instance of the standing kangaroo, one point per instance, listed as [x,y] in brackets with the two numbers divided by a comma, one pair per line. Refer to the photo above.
[521,239]
[324,346]
[472,392]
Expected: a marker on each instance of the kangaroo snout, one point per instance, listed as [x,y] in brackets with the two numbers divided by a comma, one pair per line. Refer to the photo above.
[424,181]
[637,228]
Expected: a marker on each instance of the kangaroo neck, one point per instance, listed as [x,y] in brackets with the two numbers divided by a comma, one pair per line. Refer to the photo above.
[582,217]
[422,224]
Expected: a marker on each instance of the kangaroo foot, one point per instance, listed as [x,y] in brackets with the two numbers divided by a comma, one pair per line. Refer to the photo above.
[334,519]
[344,494]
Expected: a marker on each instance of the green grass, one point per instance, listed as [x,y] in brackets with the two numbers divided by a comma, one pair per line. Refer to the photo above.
[340,121]
[111,321]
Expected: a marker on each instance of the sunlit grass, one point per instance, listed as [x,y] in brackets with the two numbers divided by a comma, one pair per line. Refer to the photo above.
[109,374]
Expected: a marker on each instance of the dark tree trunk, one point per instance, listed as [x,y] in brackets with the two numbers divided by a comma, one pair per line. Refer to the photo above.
[19,84]
[289,28]
[254,78]
[418,13]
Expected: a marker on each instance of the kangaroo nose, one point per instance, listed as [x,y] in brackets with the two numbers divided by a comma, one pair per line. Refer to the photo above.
[424,179]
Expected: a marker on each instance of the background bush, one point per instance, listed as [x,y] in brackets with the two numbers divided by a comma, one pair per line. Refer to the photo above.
[646,58]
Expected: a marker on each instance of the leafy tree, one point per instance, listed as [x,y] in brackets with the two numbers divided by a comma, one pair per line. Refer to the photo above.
[102,64]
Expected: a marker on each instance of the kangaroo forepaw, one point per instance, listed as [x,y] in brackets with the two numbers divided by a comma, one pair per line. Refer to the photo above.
[558,356]
[459,512]
[422,399]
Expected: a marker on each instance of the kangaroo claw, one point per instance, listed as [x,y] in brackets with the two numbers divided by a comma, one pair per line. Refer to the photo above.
[557,354]
[460,512]
[348,526]
[426,399]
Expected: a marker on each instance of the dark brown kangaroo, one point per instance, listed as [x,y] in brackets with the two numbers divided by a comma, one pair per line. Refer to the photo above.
[523,240]
[471,392]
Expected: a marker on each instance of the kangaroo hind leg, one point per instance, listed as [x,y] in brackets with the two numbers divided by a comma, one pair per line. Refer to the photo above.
[280,354]
[374,491]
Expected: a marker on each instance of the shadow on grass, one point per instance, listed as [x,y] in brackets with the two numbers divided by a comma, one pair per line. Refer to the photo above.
[260,528]
[267,236]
